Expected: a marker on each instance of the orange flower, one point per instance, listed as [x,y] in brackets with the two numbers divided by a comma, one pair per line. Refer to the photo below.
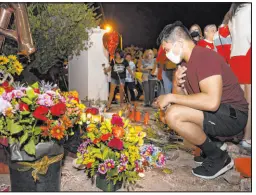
[45,131]
[67,122]
[58,132]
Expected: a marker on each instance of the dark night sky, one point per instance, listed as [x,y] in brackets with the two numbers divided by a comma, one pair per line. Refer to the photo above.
[141,23]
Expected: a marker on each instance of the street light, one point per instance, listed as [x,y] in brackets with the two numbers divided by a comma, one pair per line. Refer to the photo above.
[108,28]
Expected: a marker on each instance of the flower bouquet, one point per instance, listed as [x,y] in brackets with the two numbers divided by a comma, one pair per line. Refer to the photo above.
[111,151]
[37,120]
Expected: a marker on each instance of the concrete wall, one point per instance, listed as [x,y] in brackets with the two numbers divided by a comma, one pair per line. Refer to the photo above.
[85,71]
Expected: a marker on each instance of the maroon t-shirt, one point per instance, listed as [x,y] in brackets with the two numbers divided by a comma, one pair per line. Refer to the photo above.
[204,63]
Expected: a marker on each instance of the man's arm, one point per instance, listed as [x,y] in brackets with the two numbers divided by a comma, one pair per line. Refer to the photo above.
[209,98]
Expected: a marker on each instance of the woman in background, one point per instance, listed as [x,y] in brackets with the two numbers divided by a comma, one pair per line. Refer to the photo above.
[241,55]
[148,67]
[196,33]
[118,68]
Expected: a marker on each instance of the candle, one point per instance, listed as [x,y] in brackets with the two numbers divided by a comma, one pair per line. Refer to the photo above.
[132,115]
[137,116]
[89,115]
[96,118]
[146,118]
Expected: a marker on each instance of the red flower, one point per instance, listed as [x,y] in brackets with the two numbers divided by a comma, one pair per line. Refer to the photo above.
[96,141]
[7,87]
[93,111]
[117,120]
[23,107]
[37,91]
[116,144]
[89,165]
[58,109]
[106,137]
[40,113]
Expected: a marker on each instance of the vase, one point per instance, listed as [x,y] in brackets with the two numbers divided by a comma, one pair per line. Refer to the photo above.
[22,181]
[45,165]
[107,186]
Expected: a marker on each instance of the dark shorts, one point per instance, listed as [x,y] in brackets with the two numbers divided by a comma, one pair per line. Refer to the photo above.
[225,122]
[117,81]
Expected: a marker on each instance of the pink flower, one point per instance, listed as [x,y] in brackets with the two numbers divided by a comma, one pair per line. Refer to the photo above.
[117,120]
[124,159]
[102,168]
[121,168]
[109,163]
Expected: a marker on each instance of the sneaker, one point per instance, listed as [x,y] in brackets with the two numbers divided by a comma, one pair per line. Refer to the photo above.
[199,159]
[212,168]
[246,144]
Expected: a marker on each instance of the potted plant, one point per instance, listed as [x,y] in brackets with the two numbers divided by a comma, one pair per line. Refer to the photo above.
[37,121]
[111,152]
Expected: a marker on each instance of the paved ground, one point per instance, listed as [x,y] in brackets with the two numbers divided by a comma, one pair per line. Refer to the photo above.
[180,162]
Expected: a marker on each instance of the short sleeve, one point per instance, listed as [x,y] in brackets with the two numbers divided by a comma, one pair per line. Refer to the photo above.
[209,65]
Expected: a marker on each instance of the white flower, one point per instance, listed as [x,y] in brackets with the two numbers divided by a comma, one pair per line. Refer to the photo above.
[4,104]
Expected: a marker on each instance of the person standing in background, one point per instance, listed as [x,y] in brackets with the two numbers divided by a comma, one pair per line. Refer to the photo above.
[118,68]
[241,55]
[209,32]
[196,33]
[167,68]
[222,42]
[146,66]
[129,80]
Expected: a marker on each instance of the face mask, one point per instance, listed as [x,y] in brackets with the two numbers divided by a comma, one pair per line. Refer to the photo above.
[175,59]
[194,34]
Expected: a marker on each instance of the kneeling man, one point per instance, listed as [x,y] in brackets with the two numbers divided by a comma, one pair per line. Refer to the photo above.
[209,101]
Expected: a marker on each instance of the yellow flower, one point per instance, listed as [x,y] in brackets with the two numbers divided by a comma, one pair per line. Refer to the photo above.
[3,60]
[1,90]
[18,67]
[81,106]
[12,57]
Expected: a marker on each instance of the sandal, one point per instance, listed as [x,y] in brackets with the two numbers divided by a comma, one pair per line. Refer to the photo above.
[107,109]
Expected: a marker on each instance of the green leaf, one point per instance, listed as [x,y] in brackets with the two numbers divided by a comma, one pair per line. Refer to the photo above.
[12,140]
[113,172]
[105,153]
[27,101]
[23,138]
[37,130]
[35,85]
[14,127]
[97,155]
[30,93]
[24,112]
[30,147]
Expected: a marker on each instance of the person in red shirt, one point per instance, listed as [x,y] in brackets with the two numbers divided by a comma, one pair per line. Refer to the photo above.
[209,32]
[209,102]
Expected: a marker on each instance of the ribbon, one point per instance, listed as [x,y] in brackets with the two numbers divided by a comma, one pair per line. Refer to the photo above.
[40,166]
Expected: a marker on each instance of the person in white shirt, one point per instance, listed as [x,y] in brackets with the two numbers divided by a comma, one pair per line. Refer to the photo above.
[129,80]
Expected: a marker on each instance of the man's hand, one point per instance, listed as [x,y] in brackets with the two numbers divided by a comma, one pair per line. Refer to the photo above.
[179,75]
[163,101]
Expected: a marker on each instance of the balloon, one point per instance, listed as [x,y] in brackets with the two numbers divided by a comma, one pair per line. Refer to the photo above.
[22,34]
[5,16]
[110,42]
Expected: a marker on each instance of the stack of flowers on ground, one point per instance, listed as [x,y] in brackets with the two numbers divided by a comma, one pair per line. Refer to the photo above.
[112,149]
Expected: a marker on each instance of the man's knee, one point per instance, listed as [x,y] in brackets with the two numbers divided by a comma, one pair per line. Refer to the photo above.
[173,116]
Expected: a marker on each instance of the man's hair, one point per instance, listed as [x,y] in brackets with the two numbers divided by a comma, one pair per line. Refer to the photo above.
[172,32]
[209,26]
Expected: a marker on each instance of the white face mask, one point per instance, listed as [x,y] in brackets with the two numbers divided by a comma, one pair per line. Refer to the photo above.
[175,59]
